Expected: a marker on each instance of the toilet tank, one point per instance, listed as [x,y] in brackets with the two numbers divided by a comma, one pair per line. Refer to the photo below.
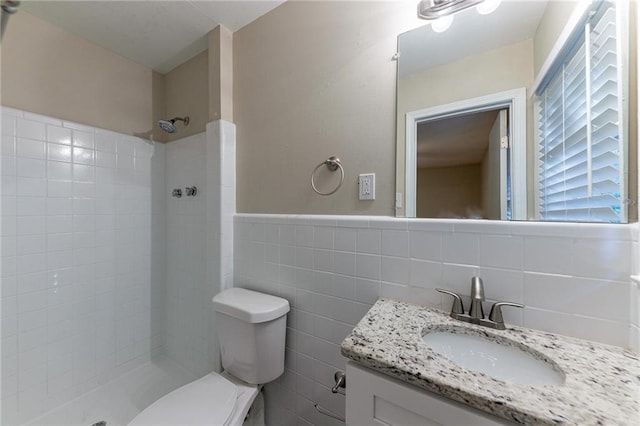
[251,328]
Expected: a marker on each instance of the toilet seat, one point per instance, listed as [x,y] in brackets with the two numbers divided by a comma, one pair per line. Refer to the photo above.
[213,400]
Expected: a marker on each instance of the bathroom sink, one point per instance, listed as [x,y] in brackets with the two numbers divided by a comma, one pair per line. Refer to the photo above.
[493,359]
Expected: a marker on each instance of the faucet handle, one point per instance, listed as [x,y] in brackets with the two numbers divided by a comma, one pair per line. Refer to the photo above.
[457,307]
[496,311]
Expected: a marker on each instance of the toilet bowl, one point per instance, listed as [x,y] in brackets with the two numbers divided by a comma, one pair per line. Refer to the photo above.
[251,328]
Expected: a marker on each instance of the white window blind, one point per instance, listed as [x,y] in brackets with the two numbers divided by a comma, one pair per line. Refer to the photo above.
[580,166]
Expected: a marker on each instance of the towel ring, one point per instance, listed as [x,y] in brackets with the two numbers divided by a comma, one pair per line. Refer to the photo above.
[333,164]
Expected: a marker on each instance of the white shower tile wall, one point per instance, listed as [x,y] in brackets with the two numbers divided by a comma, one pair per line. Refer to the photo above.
[574,279]
[187,305]
[221,206]
[76,260]
[158,250]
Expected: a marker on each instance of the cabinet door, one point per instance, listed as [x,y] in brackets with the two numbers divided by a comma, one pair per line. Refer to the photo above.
[376,399]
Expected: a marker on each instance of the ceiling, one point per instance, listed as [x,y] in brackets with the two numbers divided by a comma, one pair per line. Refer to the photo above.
[454,141]
[158,34]
[470,34]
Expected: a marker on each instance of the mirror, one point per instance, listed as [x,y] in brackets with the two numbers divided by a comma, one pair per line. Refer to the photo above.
[468,102]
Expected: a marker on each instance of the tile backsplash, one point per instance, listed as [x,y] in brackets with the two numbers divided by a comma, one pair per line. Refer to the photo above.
[574,279]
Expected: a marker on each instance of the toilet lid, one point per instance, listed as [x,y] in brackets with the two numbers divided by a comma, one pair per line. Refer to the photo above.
[207,401]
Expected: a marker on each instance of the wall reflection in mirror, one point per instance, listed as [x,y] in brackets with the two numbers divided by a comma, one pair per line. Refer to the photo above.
[519,114]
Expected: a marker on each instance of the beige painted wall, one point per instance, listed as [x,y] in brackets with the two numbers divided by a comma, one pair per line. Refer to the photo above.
[220,74]
[50,71]
[449,192]
[506,68]
[555,17]
[311,80]
[187,94]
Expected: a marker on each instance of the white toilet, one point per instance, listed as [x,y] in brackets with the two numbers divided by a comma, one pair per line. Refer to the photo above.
[251,327]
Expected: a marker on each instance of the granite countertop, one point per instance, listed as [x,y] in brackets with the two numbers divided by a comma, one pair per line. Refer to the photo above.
[602,382]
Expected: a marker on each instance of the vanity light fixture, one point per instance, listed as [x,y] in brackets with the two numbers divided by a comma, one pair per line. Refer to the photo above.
[441,11]
[442,24]
[488,6]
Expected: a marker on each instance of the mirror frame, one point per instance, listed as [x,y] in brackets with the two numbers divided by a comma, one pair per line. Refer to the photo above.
[516,101]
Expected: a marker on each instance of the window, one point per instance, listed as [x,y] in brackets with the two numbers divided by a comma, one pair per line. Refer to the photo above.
[580,148]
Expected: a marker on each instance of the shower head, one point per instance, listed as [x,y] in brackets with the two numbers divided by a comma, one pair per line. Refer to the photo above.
[169,126]
[9,7]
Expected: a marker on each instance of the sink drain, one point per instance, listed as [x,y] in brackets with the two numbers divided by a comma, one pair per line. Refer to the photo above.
[100,423]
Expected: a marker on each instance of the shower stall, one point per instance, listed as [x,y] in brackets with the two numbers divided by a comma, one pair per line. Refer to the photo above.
[106,278]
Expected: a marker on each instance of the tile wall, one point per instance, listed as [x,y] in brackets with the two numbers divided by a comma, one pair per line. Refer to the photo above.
[573,278]
[221,206]
[199,244]
[76,260]
[187,310]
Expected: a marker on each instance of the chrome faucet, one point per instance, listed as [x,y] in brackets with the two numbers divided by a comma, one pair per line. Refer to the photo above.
[476,312]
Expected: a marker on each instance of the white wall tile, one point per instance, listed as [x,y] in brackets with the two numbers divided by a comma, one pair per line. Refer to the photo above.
[57,170]
[343,287]
[517,266]
[83,139]
[57,134]
[369,241]
[425,245]
[57,152]
[367,291]
[30,148]
[106,141]
[304,236]
[395,270]
[31,187]
[425,274]
[30,206]
[503,284]
[30,225]
[460,248]
[505,252]
[31,129]
[8,166]
[51,279]
[395,243]
[580,296]
[368,266]
[84,156]
[28,283]
[323,237]
[30,244]
[344,239]
[59,188]
[323,260]
[344,263]
[31,168]
[548,255]
[186,300]
[613,260]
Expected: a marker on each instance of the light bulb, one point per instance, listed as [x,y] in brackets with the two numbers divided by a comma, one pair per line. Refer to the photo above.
[488,6]
[442,24]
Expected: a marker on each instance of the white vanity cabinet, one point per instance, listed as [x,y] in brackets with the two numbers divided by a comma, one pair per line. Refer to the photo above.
[376,399]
